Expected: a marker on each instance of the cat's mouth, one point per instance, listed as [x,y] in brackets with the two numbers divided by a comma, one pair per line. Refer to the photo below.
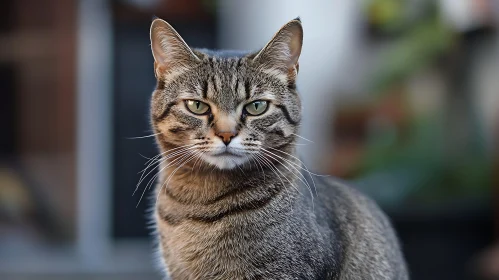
[226,158]
[227,153]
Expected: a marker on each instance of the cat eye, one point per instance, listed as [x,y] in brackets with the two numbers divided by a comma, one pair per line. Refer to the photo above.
[256,108]
[197,107]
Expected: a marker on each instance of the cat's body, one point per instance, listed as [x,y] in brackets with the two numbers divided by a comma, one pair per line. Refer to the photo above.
[339,234]
[233,200]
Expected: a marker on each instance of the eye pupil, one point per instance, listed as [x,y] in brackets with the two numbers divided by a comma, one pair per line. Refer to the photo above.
[197,107]
[256,108]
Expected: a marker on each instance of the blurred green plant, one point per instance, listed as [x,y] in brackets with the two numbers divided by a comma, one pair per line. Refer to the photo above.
[416,167]
[413,163]
[420,47]
[418,38]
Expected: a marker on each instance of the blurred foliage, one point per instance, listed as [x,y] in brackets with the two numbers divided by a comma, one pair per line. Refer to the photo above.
[386,14]
[398,16]
[411,162]
[415,50]
[418,167]
[418,38]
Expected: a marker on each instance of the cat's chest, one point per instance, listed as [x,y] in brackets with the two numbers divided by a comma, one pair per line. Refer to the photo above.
[228,246]
[202,250]
[198,240]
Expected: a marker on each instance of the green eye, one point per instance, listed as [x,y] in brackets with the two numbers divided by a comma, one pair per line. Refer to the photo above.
[256,108]
[197,107]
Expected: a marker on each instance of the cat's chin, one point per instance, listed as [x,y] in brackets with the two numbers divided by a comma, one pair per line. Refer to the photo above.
[225,161]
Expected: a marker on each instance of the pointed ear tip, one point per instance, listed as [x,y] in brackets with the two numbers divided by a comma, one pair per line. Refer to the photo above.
[156,19]
[155,23]
[296,23]
[159,22]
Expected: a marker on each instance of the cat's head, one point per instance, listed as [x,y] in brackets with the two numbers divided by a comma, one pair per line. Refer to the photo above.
[225,108]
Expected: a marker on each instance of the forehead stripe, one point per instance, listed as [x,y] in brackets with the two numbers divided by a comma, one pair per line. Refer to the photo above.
[247,89]
[236,90]
[205,89]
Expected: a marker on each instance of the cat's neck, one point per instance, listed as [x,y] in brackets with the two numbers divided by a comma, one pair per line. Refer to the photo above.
[206,196]
[206,184]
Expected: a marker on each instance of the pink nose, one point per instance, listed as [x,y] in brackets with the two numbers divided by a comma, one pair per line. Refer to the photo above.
[226,136]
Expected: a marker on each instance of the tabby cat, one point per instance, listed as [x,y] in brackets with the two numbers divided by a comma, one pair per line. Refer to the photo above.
[233,200]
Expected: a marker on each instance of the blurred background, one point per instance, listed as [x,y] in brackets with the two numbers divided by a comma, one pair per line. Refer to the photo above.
[400,96]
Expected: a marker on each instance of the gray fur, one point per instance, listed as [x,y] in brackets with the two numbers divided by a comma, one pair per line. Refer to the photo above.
[267,217]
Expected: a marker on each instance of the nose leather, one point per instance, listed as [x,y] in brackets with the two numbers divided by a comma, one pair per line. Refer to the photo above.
[226,136]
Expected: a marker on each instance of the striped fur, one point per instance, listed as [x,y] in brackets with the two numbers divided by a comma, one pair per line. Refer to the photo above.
[253,213]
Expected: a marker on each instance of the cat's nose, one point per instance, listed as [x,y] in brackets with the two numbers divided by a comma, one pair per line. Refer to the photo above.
[226,136]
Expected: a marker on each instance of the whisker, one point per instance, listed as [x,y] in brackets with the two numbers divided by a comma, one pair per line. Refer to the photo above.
[144,156]
[182,148]
[264,162]
[199,157]
[178,158]
[157,162]
[290,163]
[282,161]
[141,137]
[170,150]
[304,165]
[165,184]
[299,176]
[239,167]
[149,165]
[280,172]
[151,181]
[302,137]
[271,166]
[259,164]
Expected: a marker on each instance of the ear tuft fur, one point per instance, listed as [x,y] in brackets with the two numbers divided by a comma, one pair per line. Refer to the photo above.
[283,50]
[171,53]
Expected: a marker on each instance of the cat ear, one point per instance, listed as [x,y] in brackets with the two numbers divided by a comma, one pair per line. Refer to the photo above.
[171,53]
[283,51]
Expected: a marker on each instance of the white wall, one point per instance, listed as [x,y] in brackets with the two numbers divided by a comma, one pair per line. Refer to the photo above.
[94,129]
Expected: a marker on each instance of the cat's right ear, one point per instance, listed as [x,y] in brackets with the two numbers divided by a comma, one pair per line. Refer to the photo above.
[171,54]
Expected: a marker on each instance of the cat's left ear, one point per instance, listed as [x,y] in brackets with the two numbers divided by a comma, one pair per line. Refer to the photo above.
[171,53]
[283,50]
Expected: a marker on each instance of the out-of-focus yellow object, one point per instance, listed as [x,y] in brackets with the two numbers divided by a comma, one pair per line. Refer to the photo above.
[15,200]
[381,12]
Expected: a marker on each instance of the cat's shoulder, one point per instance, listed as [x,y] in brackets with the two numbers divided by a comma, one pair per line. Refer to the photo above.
[341,188]
[346,196]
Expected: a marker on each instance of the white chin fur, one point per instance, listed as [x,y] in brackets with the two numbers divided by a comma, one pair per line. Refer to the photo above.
[225,161]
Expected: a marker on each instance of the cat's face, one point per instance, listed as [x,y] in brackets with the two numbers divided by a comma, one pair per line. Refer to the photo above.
[223,109]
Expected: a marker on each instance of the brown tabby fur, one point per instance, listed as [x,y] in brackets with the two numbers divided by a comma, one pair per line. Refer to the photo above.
[258,213]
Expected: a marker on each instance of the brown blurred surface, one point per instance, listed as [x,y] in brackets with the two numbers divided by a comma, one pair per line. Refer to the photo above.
[40,44]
